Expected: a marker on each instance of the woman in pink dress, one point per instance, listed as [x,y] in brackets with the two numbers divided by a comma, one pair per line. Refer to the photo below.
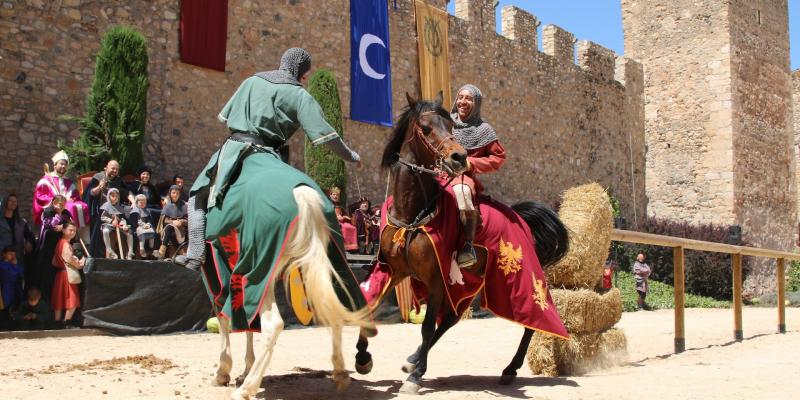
[348,229]
[66,297]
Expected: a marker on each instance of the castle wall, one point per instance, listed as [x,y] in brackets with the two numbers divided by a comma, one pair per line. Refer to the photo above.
[563,124]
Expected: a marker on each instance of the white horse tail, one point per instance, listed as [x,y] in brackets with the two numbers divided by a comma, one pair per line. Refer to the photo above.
[307,249]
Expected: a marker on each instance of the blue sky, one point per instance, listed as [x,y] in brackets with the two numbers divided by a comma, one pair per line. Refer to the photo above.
[601,22]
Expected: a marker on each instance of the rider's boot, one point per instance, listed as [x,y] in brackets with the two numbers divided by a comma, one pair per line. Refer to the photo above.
[466,256]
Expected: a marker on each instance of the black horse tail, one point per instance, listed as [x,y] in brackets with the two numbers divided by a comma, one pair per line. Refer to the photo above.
[550,234]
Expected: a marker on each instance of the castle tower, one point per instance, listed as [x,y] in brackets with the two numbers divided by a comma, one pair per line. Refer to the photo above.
[718,115]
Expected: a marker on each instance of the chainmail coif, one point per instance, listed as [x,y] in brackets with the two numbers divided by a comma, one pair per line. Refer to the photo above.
[294,63]
[473,133]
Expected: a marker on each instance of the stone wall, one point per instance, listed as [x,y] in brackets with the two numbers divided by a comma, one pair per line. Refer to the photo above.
[563,124]
[796,124]
[718,116]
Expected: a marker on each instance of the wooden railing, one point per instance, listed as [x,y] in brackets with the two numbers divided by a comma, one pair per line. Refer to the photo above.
[679,245]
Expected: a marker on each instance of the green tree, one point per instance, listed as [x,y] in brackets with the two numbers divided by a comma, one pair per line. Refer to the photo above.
[326,168]
[116,108]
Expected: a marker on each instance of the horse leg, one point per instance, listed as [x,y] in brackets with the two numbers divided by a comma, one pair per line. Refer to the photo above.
[271,327]
[223,376]
[449,320]
[511,370]
[412,383]
[249,358]
[340,375]
[363,357]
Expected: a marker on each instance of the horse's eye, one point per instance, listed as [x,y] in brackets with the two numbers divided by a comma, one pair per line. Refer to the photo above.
[426,130]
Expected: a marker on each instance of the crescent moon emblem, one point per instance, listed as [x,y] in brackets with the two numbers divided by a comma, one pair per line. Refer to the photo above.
[366,41]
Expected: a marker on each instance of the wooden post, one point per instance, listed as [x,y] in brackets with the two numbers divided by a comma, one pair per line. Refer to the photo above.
[781,296]
[737,297]
[679,278]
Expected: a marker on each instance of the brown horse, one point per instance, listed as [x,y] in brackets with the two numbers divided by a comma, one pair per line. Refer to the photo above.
[421,146]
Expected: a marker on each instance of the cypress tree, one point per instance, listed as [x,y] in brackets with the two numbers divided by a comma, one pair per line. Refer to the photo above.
[326,168]
[116,108]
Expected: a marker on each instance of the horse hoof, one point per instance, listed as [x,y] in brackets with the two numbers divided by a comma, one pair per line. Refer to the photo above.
[365,368]
[410,388]
[342,381]
[507,379]
[409,368]
[239,394]
[221,380]
[239,380]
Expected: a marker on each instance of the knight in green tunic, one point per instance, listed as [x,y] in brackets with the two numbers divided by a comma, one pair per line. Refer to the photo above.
[247,180]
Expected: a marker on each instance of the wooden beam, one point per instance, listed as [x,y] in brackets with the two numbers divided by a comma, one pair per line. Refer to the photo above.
[671,241]
[737,297]
[679,279]
[781,295]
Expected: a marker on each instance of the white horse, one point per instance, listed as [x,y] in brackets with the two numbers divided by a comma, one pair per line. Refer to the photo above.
[307,249]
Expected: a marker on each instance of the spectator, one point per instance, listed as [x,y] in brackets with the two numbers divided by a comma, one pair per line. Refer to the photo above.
[10,284]
[95,196]
[142,224]
[113,219]
[363,225]
[14,230]
[57,183]
[375,232]
[66,298]
[348,230]
[33,314]
[173,221]
[177,181]
[608,274]
[145,187]
[53,219]
[641,273]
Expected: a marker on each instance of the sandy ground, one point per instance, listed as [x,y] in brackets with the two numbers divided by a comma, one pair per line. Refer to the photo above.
[464,365]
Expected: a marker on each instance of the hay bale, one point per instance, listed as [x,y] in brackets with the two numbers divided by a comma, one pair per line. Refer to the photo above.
[585,310]
[587,214]
[583,352]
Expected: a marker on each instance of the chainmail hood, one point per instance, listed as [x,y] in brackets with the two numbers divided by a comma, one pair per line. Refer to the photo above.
[473,132]
[294,63]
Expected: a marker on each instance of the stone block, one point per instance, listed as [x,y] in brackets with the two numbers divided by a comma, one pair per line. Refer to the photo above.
[558,43]
[520,25]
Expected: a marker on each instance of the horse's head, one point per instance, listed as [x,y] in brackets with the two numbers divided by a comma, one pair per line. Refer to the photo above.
[427,128]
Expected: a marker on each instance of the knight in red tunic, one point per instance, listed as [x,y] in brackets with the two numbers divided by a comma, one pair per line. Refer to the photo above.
[484,154]
[55,183]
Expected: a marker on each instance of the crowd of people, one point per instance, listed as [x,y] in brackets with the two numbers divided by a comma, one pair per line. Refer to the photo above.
[112,218]
[360,223]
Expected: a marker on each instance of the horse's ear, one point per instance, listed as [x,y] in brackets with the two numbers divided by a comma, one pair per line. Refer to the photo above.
[411,101]
[439,98]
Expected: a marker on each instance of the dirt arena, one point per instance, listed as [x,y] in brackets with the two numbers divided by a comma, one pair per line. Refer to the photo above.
[465,365]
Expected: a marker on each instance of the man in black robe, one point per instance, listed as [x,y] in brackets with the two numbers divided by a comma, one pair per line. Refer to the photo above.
[95,196]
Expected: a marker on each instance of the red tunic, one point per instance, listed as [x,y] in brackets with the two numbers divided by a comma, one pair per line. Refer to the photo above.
[65,295]
[482,160]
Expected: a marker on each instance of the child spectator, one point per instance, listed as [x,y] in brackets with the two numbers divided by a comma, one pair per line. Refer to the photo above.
[142,224]
[66,298]
[113,218]
[173,221]
[53,219]
[33,314]
[10,285]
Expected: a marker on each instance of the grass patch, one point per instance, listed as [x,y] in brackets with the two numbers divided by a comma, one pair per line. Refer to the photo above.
[660,295]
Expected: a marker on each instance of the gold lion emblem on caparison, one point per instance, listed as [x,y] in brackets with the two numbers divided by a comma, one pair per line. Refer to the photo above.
[509,260]
[433,37]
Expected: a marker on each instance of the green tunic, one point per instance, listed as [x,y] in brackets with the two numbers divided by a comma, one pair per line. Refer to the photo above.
[250,183]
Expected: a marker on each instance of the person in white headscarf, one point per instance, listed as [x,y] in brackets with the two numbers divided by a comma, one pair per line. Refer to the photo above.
[113,219]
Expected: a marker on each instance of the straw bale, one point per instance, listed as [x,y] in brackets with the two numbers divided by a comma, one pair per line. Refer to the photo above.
[587,214]
[583,352]
[584,310]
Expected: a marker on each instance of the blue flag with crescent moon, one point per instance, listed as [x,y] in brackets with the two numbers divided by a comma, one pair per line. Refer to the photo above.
[370,71]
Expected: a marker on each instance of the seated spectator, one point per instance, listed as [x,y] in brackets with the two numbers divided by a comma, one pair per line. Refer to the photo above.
[53,219]
[174,217]
[145,187]
[95,195]
[113,219]
[177,181]
[33,314]
[10,285]
[66,297]
[142,224]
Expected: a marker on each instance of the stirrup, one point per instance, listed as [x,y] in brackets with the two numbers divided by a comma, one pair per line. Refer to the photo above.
[466,257]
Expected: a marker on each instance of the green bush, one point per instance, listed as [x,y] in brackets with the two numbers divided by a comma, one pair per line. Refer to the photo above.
[793,277]
[707,273]
[660,295]
[326,168]
[116,109]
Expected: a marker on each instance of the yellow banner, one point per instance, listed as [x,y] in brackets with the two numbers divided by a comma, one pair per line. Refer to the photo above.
[434,66]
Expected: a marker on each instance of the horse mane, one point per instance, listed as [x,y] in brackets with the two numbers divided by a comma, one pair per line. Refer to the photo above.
[392,151]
